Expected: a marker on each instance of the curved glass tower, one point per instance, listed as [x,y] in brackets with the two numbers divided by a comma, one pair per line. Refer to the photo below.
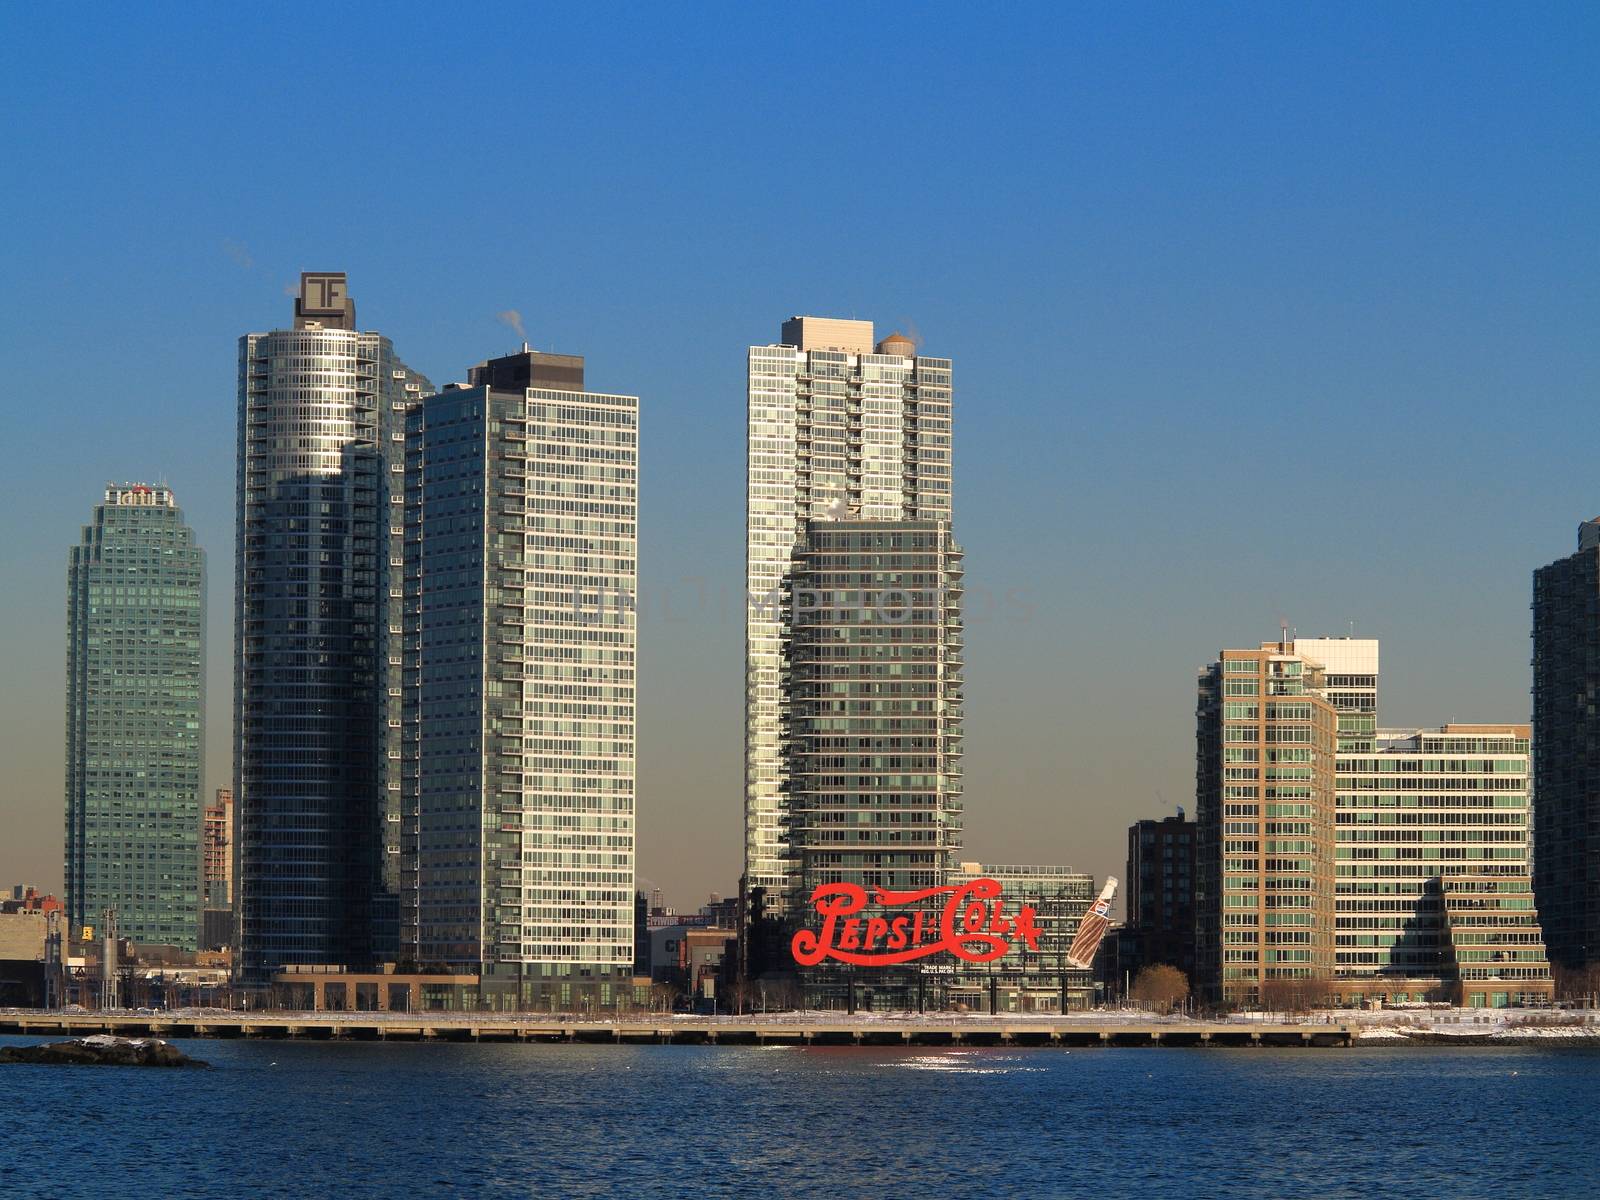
[135,713]
[316,687]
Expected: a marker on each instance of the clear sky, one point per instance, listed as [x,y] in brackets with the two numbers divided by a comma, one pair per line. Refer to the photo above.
[1258,312]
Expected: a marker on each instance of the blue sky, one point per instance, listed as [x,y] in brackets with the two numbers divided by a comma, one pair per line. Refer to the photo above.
[1259,313]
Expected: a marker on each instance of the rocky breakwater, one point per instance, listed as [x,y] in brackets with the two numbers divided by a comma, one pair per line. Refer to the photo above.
[101,1051]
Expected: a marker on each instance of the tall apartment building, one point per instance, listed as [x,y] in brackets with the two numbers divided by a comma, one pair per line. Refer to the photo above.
[1566,747]
[521,509]
[316,655]
[838,426]
[1160,897]
[871,717]
[135,718]
[1265,809]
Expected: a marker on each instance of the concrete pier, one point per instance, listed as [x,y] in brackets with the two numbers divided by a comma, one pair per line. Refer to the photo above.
[739,1031]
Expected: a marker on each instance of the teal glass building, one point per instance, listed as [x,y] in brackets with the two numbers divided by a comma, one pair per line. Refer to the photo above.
[135,724]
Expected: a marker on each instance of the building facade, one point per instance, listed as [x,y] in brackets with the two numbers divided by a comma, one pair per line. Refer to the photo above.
[1423,814]
[135,718]
[838,424]
[316,660]
[871,717]
[518,692]
[1566,746]
[1350,681]
[1431,892]
[1496,944]
[216,872]
[216,852]
[1264,894]
[1160,897]
[1028,979]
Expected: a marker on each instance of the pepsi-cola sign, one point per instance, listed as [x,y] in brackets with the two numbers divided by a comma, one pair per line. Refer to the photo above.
[971,925]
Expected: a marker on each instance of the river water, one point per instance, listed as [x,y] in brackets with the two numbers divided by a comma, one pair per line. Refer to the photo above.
[296,1119]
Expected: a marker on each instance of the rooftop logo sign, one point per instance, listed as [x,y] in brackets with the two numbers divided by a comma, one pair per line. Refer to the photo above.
[971,925]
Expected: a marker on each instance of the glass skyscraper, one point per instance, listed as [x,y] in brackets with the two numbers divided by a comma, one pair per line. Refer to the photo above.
[135,718]
[316,654]
[838,427]
[521,509]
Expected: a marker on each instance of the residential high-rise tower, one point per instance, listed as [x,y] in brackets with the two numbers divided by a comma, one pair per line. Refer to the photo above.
[1160,898]
[839,426]
[871,719]
[1433,830]
[521,509]
[1265,815]
[216,872]
[216,852]
[316,654]
[135,718]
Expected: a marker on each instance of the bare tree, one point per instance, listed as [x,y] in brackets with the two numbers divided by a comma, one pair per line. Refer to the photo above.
[1161,986]
[1296,995]
[664,996]
[781,994]
[1576,983]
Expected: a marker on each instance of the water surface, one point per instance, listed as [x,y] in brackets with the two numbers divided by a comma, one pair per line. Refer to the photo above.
[299,1119]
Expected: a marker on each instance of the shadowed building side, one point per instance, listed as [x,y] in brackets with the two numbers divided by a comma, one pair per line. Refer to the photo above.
[316,682]
[871,725]
[1566,749]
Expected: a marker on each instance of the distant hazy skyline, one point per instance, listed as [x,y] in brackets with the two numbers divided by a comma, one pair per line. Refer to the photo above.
[1258,313]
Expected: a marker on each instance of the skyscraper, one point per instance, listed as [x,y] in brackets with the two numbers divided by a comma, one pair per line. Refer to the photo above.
[316,679]
[1265,815]
[837,426]
[871,718]
[521,506]
[135,718]
[1566,764]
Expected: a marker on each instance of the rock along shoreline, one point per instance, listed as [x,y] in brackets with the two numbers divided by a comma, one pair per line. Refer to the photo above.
[101,1050]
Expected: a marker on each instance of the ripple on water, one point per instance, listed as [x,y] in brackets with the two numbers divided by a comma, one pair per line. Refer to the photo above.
[647,1121]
